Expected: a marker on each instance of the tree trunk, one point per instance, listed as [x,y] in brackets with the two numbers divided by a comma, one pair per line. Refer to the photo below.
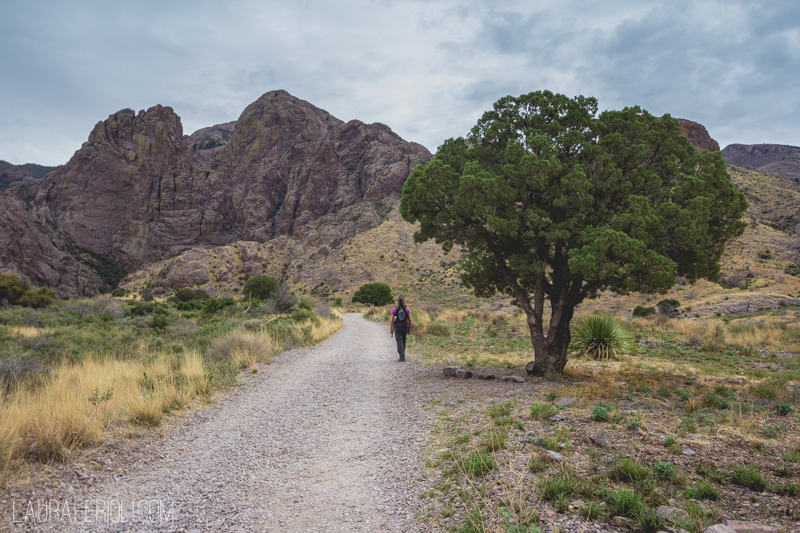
[550,349]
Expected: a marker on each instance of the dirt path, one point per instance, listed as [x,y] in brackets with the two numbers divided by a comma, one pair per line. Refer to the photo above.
[323,439]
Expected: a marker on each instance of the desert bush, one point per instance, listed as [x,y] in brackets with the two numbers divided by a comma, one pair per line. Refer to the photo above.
[284,299]
[601,336]
[601,413]
[664,470]
[373,294]
[214,305]
[642,311]
[22,372]
[261,287]
[184,294]
[668,307]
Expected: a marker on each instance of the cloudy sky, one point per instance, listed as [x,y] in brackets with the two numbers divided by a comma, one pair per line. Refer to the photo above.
[426,68]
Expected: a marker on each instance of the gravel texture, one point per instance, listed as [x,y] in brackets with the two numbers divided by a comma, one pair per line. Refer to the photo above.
[323,439]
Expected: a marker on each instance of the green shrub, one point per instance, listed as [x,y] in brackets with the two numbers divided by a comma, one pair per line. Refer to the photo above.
[685,394]
[373,294]
[784,408]
[540,411]
[601,336]
[668,307]
[37,298]
[634,422]
[669,441]
[749,477]
[479,463]
[628,470]
[12,287]
[119,293]
[260,287]
[159,322]
[200,295]
[215,305]
[704,490]
[304,315]
[773,431]
[601,413]
[664,470]
[184,294]
[337,302]
[640,310]
[304,304]
[147,297]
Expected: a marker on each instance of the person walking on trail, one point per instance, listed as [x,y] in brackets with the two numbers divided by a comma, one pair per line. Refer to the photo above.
[401,325]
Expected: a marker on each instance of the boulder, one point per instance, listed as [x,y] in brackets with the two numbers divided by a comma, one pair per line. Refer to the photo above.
[601,440]
[514,379]
[749,527]
[565,401]
[672,514]
[463,374]
[719,528]
[450,371]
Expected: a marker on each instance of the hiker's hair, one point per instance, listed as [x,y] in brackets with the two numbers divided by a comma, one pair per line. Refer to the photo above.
[401,302]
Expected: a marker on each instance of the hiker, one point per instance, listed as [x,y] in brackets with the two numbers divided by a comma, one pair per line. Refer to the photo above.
[401,321]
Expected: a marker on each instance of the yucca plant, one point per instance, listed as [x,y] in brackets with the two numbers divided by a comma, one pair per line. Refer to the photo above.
[601,336]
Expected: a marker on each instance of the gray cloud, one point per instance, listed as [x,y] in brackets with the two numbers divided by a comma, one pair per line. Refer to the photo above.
[428,69]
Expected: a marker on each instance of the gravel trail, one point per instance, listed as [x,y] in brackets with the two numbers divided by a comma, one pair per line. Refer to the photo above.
[322,439]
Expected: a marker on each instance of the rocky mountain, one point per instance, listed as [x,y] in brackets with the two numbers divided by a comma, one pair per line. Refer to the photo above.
[772,159]
[139,190]
[698,135]
[29,172]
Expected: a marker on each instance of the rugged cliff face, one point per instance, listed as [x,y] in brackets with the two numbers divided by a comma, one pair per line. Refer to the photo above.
[139,190]
[771,159]
[28,247]
[698,135]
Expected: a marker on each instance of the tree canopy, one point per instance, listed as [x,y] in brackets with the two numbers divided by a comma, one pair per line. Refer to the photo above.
[261,287]
[555,202]
[373,294]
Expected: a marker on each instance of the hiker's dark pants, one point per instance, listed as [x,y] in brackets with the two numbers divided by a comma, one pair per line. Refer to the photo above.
[400,333]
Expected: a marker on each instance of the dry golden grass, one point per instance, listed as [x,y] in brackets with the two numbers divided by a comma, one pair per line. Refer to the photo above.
[28,331]
[83,401]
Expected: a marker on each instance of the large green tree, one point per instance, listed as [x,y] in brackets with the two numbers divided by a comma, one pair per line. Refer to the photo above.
[555,203]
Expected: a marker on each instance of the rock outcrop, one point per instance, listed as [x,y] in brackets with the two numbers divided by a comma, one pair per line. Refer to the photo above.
[772,159]
[28,247]
[139,191]
[698,135]
[11,174]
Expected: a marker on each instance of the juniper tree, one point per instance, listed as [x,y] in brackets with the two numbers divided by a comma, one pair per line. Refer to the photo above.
[555,203]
